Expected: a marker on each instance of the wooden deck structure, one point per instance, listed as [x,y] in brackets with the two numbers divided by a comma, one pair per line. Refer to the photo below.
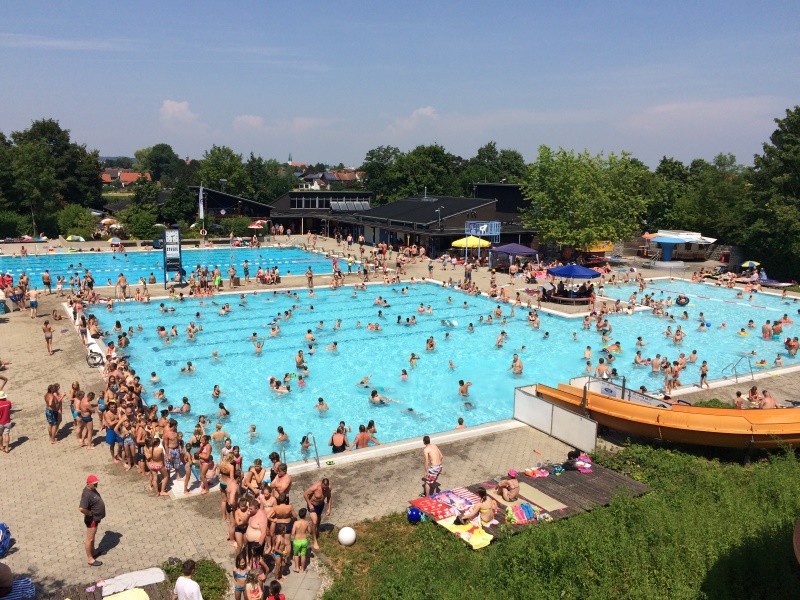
[581,492]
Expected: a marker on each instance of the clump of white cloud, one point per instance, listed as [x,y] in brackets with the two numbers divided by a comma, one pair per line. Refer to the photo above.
[178,115]
[243,123]
[418,117]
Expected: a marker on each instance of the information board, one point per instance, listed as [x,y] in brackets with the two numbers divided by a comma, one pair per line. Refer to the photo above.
[484,229]
[172,253]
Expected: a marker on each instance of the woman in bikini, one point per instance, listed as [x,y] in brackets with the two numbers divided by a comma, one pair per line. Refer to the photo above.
[48,336]
[206,462]
[485,508]
[157,465]
[509,488]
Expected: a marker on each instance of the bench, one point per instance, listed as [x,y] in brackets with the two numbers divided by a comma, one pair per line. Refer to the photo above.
[563,300]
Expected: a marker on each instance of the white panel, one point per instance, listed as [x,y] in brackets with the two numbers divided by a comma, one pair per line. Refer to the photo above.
[574,429]
[532,411]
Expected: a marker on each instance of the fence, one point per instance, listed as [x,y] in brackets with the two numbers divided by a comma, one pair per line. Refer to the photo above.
[560,423]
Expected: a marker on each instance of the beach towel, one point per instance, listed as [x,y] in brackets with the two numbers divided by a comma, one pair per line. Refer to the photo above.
[498,498]
[450,498]
[134,594]
[467,495]
[540,498]
[474,535]
[435,509]
[133,579]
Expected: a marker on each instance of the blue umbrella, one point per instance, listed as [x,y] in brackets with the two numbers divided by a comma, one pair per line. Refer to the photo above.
[670,240]
[573,272]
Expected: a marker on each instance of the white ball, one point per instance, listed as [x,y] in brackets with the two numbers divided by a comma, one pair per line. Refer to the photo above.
[347,536]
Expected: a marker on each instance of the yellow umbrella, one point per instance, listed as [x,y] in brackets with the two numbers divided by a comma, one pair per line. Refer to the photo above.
[471,242]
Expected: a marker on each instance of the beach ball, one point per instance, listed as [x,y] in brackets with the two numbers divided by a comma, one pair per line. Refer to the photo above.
[414,516]
[708,324]
[347,536]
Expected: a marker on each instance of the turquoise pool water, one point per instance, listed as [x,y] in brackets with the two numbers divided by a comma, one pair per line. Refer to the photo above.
[431,388]
[138,264]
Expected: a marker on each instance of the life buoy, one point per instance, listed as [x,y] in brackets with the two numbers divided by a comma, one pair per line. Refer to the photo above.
[203,232]
[682,301]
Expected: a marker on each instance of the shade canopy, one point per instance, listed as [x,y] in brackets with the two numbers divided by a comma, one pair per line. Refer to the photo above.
[113,241]
[75,238]
[514,250]
[750,264]
[255,225]
[670,240]
[573,272]
[471,242]
[109,221]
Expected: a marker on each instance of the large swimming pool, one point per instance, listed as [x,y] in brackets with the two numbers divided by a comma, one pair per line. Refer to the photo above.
[431,389]
[138,264]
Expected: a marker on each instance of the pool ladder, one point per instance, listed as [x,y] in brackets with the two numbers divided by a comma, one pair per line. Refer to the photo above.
[733,366]
[316,452]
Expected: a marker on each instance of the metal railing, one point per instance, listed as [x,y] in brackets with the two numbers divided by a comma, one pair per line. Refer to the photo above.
[733,366]
[654,259]
[316,452]
[283,454]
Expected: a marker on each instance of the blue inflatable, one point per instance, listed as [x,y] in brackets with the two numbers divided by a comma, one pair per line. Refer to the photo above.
[414,515]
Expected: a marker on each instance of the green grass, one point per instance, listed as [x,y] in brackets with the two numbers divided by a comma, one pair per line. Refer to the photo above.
[710,529]
[714,403]
[211,577]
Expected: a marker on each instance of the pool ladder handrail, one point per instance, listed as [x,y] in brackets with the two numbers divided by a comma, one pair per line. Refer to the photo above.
[733,366]
[316,452]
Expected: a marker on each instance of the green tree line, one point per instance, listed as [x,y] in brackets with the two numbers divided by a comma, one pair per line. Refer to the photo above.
[50,184]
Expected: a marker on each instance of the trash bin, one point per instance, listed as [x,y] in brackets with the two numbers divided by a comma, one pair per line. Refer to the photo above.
[725,257]
[236,281]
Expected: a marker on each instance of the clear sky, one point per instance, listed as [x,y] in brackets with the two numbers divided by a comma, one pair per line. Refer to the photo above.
[330,81]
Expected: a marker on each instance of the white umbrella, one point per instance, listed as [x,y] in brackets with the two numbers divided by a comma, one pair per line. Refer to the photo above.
[193,225]
[161,225]
[109,221]
[255,226]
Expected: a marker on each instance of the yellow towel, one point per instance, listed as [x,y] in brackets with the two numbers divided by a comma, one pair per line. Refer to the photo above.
[134,594]
[474,535]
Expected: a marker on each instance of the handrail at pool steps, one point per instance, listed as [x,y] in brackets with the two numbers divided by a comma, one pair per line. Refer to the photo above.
[733,366]
[316,452]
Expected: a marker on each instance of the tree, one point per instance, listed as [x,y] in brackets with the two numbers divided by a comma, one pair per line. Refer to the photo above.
[120,162]
[77,170]
[76,220]
[774,231]
[427,168]
[579,199]
[139,221]
[160,161]
[223,163]
[180,205]
[268,178]
[380,173]
[34,177]
[145,193]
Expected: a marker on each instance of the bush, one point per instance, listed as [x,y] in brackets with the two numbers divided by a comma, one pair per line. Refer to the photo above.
[14,225]
[211,577]
[76,220]
[714,403]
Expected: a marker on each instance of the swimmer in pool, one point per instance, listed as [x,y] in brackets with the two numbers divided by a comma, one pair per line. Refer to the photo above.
[215,356]
[321,406]
[452,366]
[376,398]
[463,388]
[364,381]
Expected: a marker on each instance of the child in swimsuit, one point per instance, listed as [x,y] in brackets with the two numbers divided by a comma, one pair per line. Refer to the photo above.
[239,576]
[254,590]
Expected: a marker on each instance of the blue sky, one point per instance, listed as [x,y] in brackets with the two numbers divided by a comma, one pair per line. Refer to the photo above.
[330,81]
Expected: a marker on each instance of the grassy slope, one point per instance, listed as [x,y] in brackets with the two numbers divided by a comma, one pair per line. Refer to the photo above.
[710,529]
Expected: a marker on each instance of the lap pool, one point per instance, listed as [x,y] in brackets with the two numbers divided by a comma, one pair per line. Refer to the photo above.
[431,389]
[135,265]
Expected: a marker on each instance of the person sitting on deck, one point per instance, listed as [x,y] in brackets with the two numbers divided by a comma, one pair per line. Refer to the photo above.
[509,488]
